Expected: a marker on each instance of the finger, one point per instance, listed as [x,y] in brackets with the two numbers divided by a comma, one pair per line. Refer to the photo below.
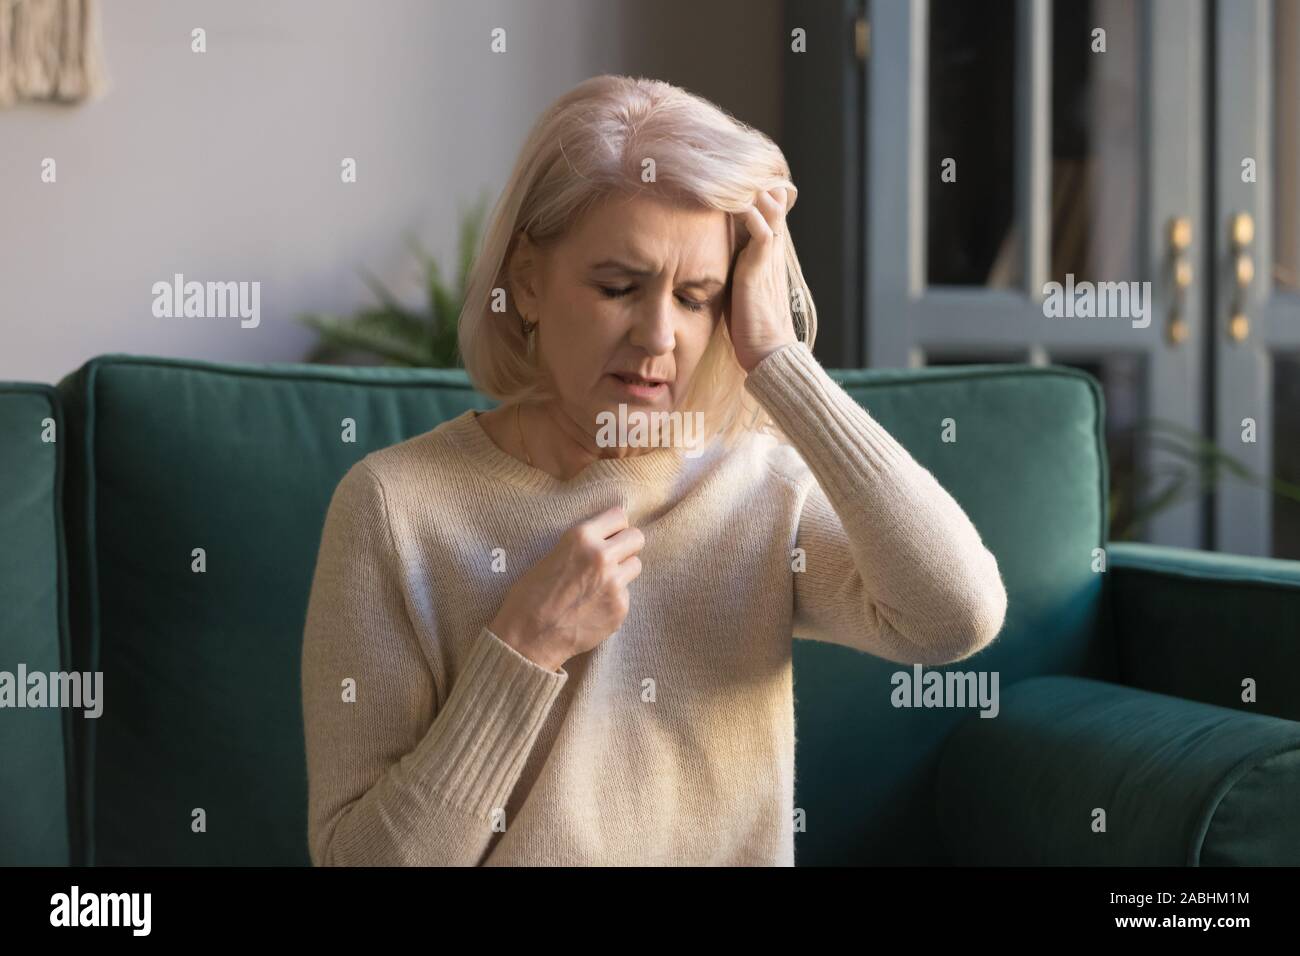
[626,543]
[757,225]
[785,199]
[628,571]
[608,522]
[772,204]
[792,193]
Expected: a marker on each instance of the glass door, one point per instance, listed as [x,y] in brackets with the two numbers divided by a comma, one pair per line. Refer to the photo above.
[1256,249]
[1035,193]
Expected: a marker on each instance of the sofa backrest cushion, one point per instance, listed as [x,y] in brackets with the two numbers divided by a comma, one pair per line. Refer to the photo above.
[1021,448]
[199,756]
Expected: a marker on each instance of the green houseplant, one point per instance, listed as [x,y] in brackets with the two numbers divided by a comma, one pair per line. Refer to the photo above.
[1194,467]
[394,334]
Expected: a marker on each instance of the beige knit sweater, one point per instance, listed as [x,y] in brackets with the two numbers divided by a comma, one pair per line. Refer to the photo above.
[673,741]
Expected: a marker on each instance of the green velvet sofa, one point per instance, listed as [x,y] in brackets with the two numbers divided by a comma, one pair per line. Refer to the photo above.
[1121,735]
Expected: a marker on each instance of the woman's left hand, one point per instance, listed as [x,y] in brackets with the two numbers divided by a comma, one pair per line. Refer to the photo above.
[759,318]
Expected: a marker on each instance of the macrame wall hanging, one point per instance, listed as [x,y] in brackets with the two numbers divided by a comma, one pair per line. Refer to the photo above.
[49,50]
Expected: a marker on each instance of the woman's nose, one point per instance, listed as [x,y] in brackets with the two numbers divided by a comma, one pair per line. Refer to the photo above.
[654,329]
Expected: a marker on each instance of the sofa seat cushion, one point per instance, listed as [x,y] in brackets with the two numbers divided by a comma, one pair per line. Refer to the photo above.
[1175,782]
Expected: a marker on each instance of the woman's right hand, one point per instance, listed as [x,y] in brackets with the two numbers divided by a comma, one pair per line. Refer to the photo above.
[576,596]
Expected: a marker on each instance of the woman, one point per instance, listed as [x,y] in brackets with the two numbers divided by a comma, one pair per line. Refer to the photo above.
[535,638]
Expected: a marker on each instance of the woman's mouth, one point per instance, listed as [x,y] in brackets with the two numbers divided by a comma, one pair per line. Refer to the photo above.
[636,387]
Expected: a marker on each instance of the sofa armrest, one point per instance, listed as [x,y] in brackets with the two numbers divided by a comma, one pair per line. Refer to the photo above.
[1180,782]
[1196,624]
[38,784]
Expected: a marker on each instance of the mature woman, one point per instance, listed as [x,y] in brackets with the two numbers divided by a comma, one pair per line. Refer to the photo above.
[535,637]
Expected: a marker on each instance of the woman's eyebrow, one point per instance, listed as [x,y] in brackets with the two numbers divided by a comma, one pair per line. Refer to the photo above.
[629,269]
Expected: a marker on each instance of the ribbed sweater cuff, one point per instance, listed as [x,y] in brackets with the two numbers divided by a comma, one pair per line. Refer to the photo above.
[475,749]
[836,436]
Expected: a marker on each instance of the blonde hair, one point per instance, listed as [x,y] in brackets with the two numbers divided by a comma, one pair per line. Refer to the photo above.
[588,145]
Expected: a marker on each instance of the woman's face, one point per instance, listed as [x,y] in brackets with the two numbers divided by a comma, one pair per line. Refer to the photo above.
[635,289]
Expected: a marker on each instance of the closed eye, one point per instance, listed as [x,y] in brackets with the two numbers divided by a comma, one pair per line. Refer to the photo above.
[616,293]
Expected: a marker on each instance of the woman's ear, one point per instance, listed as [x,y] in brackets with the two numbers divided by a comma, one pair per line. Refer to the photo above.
[522,273]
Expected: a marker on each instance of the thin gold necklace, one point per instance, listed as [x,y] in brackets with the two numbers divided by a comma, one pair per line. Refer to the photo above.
[518,409]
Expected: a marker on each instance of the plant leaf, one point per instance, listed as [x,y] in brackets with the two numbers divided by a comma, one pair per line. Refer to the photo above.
[369,332]
[415,322]
[397,333]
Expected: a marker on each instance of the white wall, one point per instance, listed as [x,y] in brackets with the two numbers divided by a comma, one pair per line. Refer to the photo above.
[225,165]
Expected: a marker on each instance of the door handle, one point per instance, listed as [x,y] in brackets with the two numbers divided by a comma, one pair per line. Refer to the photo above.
[1180,241]
[1241,233]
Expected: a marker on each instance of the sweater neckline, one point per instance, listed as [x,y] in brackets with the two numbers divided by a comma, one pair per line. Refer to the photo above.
[656,466]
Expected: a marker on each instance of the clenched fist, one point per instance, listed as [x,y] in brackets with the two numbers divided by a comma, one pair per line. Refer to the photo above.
[576,596]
